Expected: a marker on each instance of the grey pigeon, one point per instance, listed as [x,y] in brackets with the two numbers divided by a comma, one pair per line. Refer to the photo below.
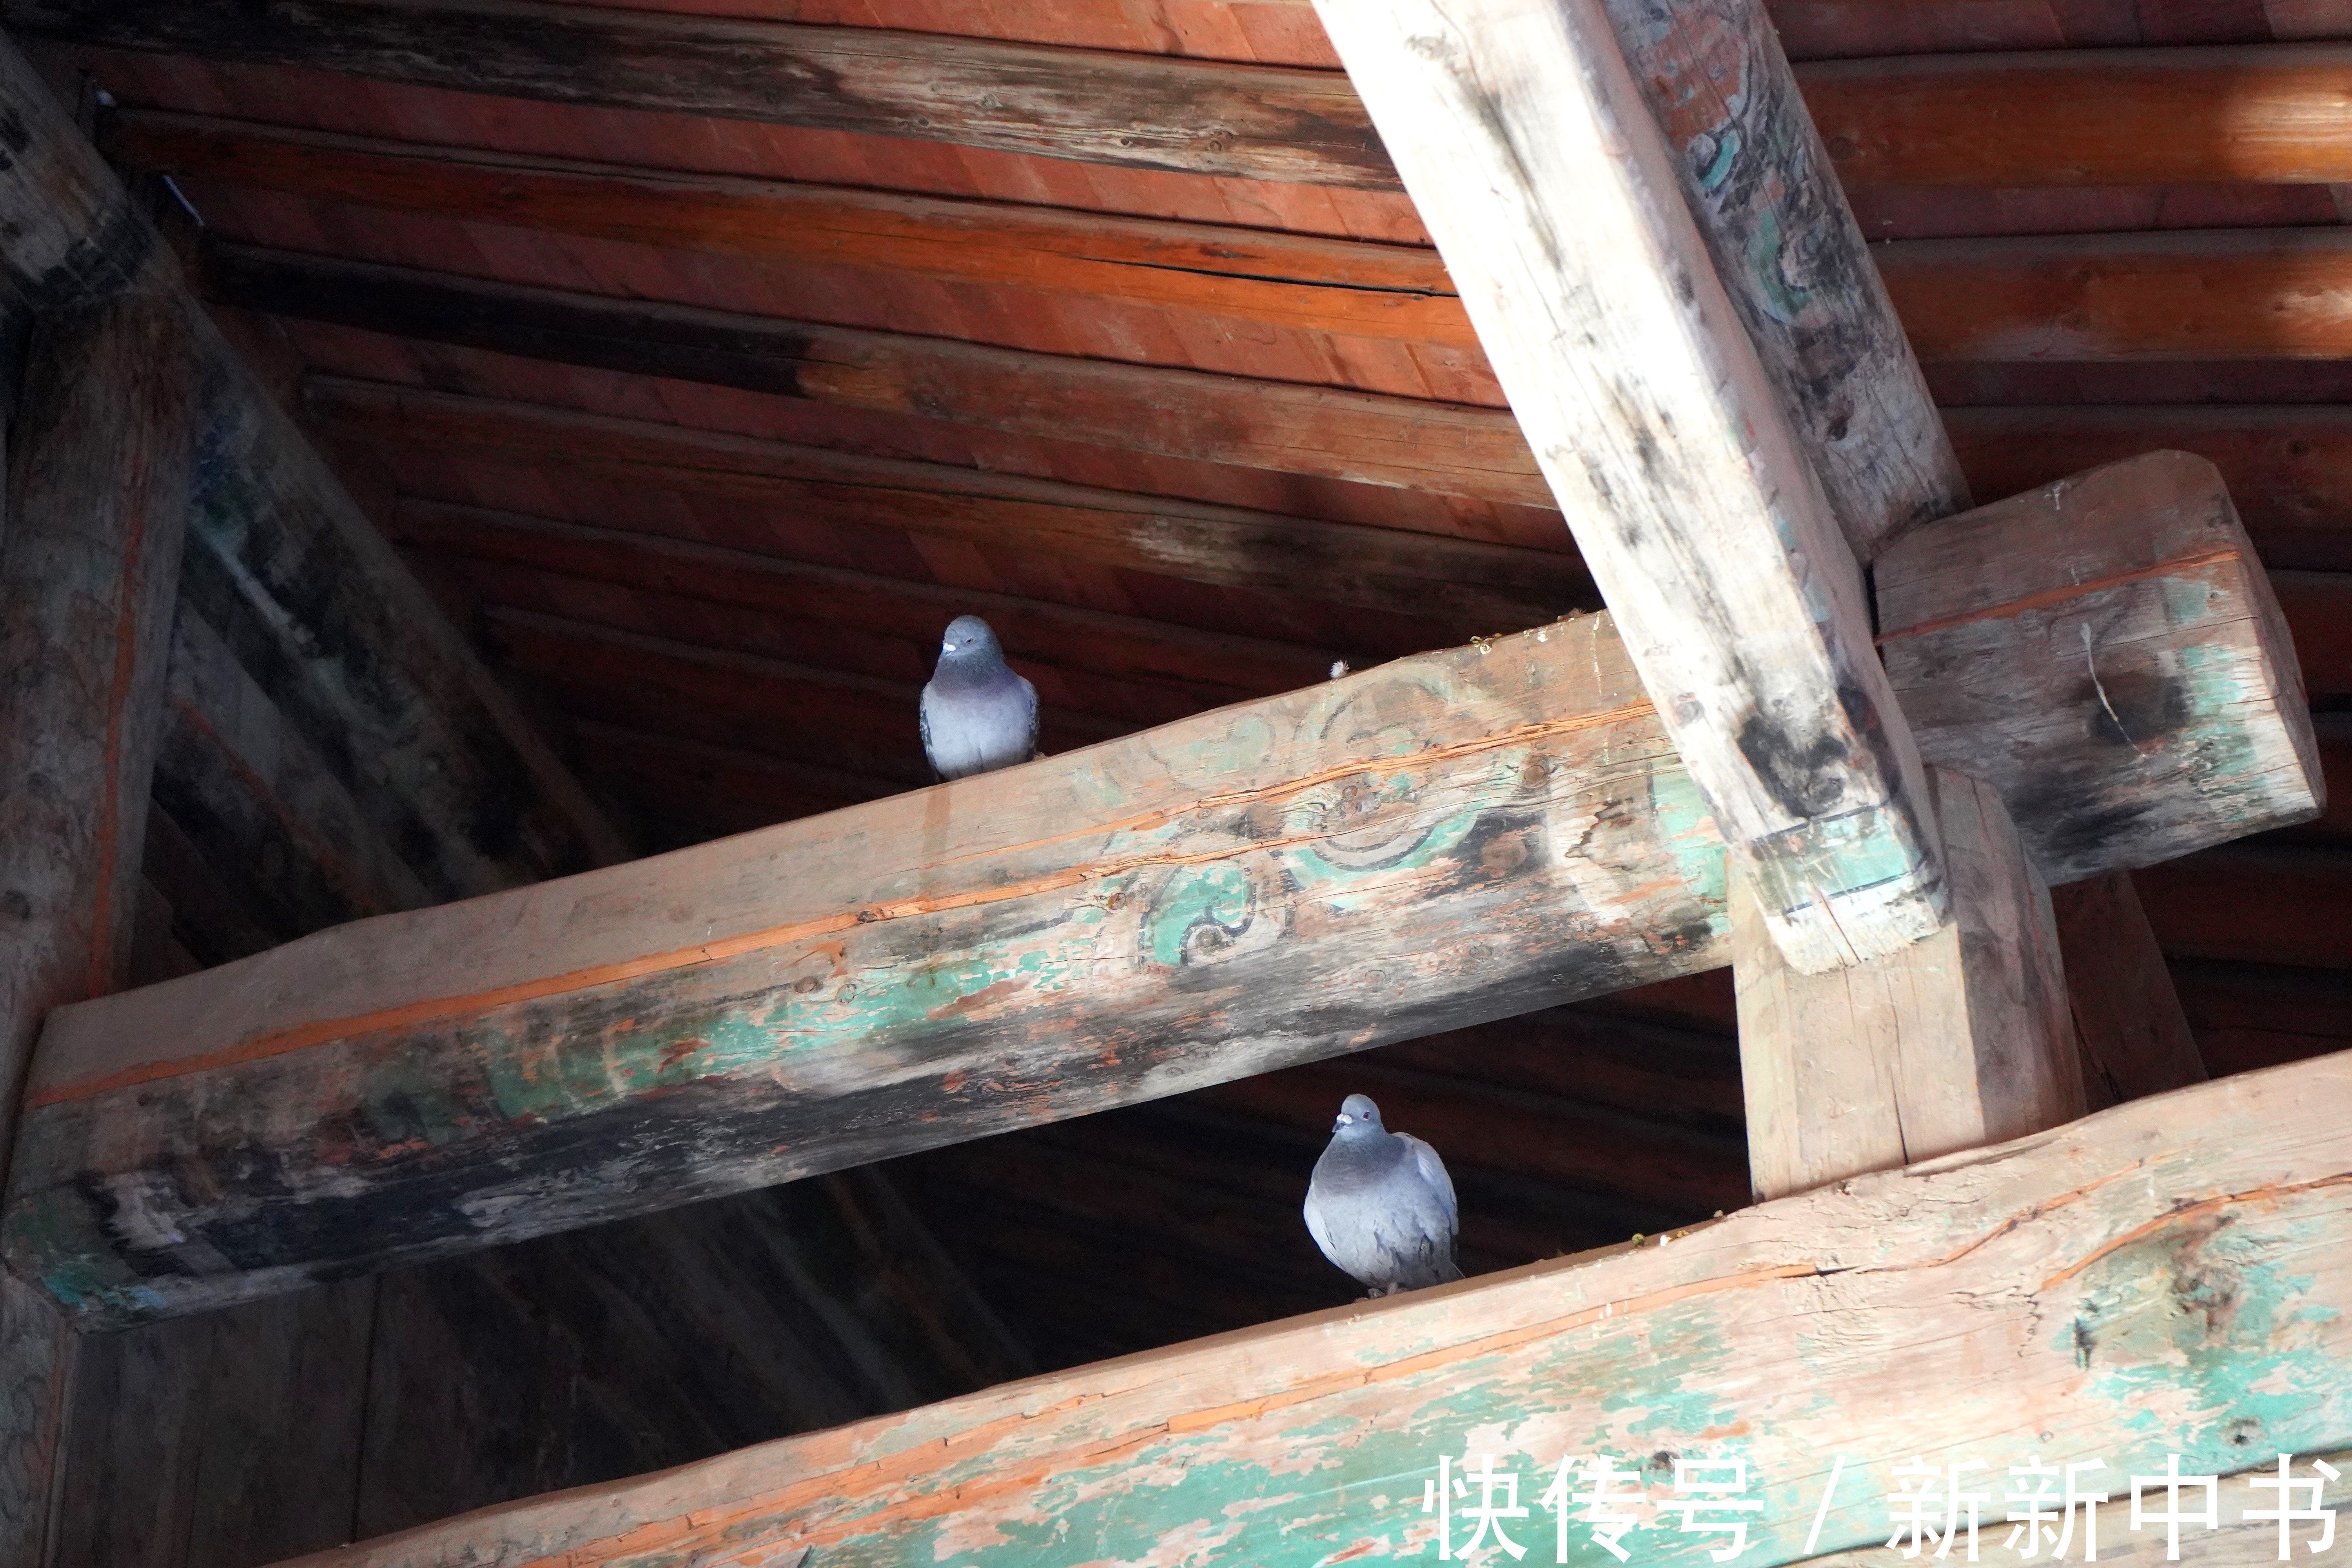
[1381,1204]
[978,714]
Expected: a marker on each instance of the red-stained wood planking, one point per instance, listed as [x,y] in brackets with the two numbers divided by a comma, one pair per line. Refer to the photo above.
[1119,648]
[2269,904]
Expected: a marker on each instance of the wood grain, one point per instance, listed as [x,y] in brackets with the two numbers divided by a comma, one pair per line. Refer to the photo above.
[1441,839]
[1143,111]
[1392,293]
[1959,1040]
[1364,437]
[1792,260]
[98,482]
[2151,660]
[1491,587]
[1764,1337]
[1540,172]
[2186,294]
[68,232]
[2252,114]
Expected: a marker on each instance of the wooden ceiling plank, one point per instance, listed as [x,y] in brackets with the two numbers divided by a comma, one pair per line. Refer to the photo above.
[725,787]
[2289,466]
[1128,647]
[1247,121]
[2179,294]
[1364,437]
[1525,141]
[1494,587]
[1343,286]
[1989,1260]
[1435,842]
[2255,114]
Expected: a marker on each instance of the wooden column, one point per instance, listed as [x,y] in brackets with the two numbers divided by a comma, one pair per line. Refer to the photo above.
[1957,1041]
[1541,173]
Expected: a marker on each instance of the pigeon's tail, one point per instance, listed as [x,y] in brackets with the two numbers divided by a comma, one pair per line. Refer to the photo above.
[1448,1271]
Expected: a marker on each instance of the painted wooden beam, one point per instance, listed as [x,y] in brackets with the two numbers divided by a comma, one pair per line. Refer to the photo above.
[1215,665]
[1791,262]
[2135,1033]
[1439,840]
[1295,281]
[2075,1261]
[2133,586]
[1364,437]
[1491,587]
[2265,114]
[1959,1040]
[1143,111]
[2184,294]
[1540,171]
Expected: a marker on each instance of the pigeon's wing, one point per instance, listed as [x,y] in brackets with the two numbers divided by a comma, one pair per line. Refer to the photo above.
[1315,1226]
[1031,692]
[923,717]
[1433,1171]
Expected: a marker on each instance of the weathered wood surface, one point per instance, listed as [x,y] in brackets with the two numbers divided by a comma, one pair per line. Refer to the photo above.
[72,235]
[789,1002]
[1519,834]
[1129,649]
[1296,281]
[1489,587]
[2135,588]
[314,603]
[1959,1040]
[1366,437]
[1540,172]
[1262,123]
[90,560]
[2136,1037]
[2259,115]
[1792,260]
[2081,1262]
[2188,294]
[264,806]
[38,1346]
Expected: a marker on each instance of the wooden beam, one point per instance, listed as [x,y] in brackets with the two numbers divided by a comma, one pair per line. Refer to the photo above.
[2135,1035]
[73,236]
[1437,841]
[1295,281]
[2254,115]
[1141,111]
[2194,294]
[2058,590]
[2057,1260]
[1123,647]
[97,481]
[1791,262]
[1364,437]
[1960,1040]
[1489,587]
[1536,164]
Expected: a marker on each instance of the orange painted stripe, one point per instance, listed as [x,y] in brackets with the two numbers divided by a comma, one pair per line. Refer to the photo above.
[2049,596]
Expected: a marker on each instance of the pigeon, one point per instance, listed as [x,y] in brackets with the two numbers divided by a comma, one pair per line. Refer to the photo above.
[1381,1204]
[978,715]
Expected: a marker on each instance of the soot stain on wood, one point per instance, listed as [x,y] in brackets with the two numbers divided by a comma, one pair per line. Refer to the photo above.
[2132,708]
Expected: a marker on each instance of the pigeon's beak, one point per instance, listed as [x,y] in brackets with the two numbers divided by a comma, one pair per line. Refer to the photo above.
[1341,1123]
